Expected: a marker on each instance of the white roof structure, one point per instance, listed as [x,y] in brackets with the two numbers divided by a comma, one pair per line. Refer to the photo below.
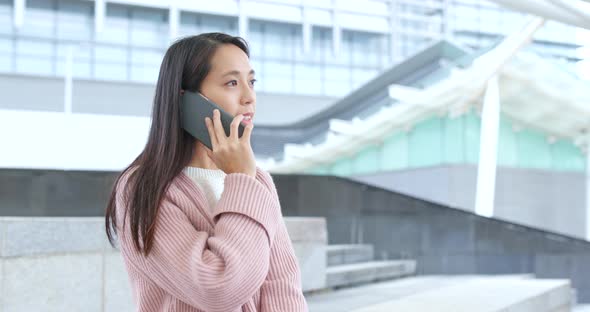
[571,12]
[535,92]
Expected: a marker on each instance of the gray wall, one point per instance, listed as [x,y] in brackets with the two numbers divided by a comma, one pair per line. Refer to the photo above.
[67,264]
[443,240]
[31,93]
[54,192]
[135,99]
[549,200]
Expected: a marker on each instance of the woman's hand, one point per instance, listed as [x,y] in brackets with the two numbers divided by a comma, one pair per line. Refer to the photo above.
[231,154]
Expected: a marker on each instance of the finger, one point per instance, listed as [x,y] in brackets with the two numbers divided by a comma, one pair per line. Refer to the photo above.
[218,127]
[211,131]
[233,133]
[247,133]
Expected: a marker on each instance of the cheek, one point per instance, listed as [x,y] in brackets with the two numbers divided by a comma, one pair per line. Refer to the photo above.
[227,102]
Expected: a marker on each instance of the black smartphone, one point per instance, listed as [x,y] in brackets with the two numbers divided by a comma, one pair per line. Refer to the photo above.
[194,108]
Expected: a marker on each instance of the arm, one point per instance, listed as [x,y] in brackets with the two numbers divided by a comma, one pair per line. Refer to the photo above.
[281,291]
[219,272]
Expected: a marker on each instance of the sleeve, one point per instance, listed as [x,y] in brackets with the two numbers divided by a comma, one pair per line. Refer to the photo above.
[281,290]
[219,272]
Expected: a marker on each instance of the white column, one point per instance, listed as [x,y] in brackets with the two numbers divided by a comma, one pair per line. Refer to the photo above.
[336,34]
[306,30]
[99,13]
[488,151]
[394,38]
[68,80]
[173,22]
[588,189]
[19,13]
[447,33]
[242,19]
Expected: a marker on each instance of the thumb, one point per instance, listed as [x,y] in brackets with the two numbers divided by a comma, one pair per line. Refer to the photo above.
[209,153]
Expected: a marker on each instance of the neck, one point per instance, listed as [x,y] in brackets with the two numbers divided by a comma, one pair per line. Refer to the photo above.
[200,158]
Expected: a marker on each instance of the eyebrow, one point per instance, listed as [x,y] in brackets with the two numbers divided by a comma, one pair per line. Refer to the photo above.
[236,73]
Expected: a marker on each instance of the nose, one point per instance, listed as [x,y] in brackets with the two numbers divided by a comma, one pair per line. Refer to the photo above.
[248,95]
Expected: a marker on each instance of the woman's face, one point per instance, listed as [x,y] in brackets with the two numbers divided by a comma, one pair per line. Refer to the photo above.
[230,82]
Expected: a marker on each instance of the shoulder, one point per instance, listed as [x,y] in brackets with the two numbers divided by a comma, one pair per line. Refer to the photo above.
[121,189]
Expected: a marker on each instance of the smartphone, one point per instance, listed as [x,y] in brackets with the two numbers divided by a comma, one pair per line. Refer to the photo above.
[194,108]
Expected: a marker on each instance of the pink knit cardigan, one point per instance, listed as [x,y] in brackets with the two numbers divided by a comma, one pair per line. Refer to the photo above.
[238,258]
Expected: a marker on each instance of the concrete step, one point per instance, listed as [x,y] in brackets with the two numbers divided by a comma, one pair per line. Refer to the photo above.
[360,273]
[348,254]
[450,293]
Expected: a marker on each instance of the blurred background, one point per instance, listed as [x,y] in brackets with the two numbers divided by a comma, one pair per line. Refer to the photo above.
[429,155]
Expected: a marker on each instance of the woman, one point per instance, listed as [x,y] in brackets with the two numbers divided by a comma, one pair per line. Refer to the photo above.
[200,229]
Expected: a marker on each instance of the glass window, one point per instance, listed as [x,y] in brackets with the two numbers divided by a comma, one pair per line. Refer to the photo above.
[188,24]
[278,77]
[116,25]
[32,47]
[344,55]
[366,49]
[337,73]
[110,54]
[5,62]
[256,39]
[144,73]
[214,23]
[39,20]
[336,88]
[75,20]
[149,27]
[110,62]
[6,11]
[6,45]
[82,60]
[147,56]
[110,71]
[79,51]
[308,79]
[35,65]
[260,77]
[6,54]
[279,41]
[80,69]
[321,45]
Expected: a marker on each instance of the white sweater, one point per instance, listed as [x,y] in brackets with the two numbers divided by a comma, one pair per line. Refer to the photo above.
[211,181]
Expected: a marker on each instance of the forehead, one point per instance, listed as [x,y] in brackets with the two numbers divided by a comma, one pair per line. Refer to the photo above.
[228,57]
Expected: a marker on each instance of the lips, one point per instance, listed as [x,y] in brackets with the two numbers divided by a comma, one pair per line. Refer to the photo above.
[248,118]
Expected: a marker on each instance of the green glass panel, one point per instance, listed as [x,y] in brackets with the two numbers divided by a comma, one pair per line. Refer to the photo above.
[533,150]
[507,148]
[567,157]
[471,137]
[342,167]
[425,143]
[394,152]
[453,140]
[367,161]
[319,170]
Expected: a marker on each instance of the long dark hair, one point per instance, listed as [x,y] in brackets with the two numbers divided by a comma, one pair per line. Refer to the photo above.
[169,148]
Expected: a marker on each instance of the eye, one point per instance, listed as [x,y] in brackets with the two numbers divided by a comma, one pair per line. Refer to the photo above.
[253,81]
[232,83]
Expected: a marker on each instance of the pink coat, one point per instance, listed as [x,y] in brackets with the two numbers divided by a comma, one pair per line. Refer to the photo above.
[239,258]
